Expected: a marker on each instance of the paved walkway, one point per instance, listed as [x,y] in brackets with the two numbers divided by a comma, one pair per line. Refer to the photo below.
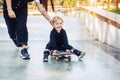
[102,62]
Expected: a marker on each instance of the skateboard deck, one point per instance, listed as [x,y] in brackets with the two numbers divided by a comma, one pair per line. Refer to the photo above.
[62,56]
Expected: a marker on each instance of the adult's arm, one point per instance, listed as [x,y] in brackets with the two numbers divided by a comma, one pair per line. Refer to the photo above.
[9,8]
[42,10]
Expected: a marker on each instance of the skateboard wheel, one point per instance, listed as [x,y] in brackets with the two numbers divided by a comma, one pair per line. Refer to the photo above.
[57,58]
[69,58]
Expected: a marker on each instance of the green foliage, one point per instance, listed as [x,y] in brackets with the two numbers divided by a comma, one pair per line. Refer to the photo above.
[66,3]
[114,10]
[1,2]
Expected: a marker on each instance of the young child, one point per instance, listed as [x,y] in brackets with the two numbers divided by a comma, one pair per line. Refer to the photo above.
[59,41]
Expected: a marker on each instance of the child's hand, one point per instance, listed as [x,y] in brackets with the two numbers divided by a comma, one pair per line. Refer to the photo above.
[55,51]
[67,50]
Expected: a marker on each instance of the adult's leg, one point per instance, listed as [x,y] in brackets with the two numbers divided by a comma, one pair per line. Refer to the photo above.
[22,32]
[11,25]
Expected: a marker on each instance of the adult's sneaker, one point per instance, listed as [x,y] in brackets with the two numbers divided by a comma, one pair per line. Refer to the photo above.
[24,54]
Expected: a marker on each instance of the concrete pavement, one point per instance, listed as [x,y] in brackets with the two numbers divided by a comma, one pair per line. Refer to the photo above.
[102,62]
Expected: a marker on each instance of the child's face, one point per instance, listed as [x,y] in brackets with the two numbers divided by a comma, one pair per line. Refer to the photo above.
[58,25]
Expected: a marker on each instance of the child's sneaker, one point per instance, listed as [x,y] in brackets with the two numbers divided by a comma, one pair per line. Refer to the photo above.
[45,59]
[82,55]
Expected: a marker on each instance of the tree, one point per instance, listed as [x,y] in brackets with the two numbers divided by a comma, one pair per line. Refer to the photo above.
[1,2]
[117,5]
[66,3]
[108,3]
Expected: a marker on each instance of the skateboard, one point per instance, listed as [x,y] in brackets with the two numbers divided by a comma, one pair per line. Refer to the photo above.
[62,55]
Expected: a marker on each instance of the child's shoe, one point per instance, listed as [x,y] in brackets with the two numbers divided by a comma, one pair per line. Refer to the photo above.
[82,54]
[45,59]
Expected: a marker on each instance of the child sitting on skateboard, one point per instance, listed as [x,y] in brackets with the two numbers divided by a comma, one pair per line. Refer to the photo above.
[59,41]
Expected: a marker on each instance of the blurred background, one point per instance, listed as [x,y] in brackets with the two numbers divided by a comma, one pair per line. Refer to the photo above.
[68,5]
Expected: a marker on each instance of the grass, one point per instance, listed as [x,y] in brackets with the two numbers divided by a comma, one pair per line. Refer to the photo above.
[114,10]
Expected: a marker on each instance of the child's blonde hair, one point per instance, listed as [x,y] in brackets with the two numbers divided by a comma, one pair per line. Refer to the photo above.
[56,18]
